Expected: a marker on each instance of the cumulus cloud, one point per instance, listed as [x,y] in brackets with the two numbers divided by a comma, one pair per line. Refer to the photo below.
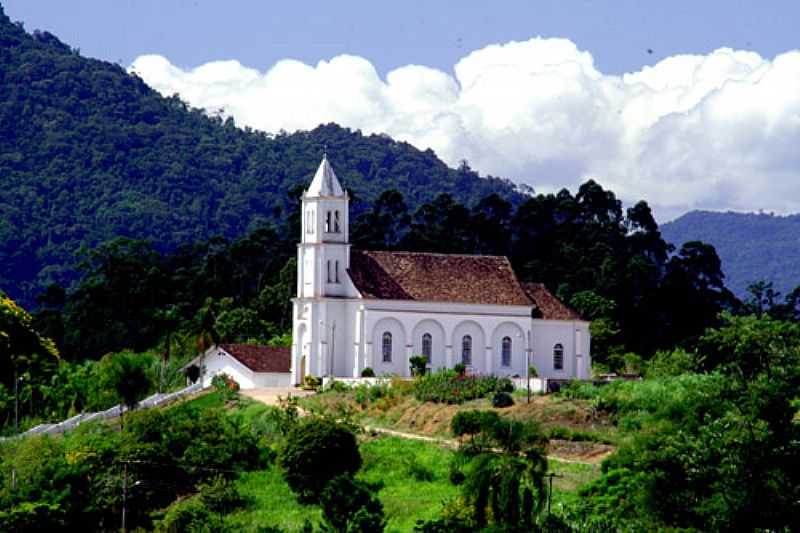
[716,131]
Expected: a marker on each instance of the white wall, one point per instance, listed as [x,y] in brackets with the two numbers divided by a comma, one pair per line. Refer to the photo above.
[573,336]
[360,324]
[218,362]
[272,379]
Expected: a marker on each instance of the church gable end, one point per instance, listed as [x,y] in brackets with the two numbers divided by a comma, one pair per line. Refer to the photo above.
[548,306]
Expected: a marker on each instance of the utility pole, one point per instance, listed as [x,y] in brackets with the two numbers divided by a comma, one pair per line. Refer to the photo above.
[528,366]
[16,402]
[124,494]
[551,475]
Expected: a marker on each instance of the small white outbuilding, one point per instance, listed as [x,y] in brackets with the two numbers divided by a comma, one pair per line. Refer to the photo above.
[251,365]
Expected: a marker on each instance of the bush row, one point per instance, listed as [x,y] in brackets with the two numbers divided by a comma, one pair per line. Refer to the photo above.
[450,386]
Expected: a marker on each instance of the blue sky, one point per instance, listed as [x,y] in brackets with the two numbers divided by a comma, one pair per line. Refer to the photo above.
[619,33]
[685,104]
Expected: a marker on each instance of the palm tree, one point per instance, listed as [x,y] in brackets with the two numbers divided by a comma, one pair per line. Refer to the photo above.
[503,467]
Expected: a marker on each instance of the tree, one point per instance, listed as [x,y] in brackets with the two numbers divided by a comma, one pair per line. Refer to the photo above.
[129,378]
[503,465]
[316,451]
[718,451]
[349,506]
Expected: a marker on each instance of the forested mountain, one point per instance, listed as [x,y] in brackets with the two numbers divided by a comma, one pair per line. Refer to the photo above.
[752,246]
[89,152]
[142,217]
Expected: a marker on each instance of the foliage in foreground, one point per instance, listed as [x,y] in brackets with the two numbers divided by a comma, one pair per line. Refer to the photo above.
[76,480]
[712,452]
[316,451]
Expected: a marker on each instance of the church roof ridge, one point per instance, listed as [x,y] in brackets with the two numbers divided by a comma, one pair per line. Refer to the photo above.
[443,254]
[325,182]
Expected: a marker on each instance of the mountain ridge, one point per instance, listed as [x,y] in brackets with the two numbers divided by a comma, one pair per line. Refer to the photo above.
[741,242]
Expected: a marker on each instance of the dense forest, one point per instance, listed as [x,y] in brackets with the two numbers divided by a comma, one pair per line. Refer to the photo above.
[89,152]
[752,246]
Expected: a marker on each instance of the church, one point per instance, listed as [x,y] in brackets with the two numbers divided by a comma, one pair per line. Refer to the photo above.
[359,309]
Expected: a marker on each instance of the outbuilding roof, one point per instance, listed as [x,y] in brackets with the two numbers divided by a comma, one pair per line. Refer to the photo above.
[473,279]
[549,307]
[260,358]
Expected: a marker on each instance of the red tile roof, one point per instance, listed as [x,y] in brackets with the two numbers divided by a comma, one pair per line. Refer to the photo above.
[261,358]
[474,279]
[549,307]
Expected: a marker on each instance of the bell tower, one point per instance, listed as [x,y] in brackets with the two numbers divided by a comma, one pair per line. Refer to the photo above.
[323,254]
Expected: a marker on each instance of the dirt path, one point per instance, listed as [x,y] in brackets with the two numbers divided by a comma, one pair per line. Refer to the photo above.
[271,396]
[453,444]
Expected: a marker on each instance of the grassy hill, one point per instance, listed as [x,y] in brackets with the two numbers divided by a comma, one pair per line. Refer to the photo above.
[752,246]
[89,152]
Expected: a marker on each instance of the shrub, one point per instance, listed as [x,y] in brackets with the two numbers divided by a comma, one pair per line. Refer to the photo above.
[416,470]
[311,382]
[316,451]
[349,505]
[532,372]
[364,394]
[226,385]
[188,515]
[220,495]
[502,399]
[419,364]
[336,386]
[368,373]
[460,368]
[579,390]
[448,386]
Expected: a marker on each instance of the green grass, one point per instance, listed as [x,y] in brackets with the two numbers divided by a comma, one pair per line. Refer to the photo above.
[209,400]
[270,502]
[414,476]
[569,478]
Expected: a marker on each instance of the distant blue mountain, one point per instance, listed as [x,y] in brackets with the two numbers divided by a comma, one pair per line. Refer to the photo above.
[752,246]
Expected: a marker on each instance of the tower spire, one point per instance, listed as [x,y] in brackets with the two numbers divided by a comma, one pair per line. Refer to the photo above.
[325,182]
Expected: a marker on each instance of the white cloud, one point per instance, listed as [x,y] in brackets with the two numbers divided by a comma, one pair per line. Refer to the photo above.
[716,131]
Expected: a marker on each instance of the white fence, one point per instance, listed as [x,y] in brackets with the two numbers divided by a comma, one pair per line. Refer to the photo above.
[110,413]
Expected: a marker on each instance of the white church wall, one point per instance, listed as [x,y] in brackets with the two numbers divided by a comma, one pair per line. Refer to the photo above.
[435,329]
[547,334]
[518,349]
[448,321]
[474,330]
[398,362]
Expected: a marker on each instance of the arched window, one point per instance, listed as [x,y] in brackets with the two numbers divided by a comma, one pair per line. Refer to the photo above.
[337,272]
[328,225]
[427,346]
[387,347]
[558,357]
[336,222]
[309,222]
[505,359]
[466,350]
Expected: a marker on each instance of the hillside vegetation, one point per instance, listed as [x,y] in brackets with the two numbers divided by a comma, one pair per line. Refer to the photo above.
[752,246]
[89,152]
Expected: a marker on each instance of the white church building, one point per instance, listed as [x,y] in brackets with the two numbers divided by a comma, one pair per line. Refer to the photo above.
[356,309]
